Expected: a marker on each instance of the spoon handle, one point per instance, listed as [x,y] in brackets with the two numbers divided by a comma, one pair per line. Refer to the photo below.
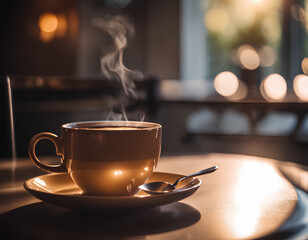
[202,172]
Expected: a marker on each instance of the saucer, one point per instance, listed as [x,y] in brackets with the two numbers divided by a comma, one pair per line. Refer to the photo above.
[59,189]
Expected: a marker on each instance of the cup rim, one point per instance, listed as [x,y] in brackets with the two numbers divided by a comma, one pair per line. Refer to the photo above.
[81,126]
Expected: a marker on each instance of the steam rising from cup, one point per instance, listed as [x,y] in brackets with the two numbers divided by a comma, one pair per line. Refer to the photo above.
[119,30]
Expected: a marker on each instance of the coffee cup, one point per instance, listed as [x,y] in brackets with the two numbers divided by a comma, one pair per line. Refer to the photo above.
[110,158]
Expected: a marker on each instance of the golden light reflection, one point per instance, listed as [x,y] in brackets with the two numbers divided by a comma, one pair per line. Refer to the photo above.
[48,22]
[118,172]
[300,86]
[248,57]
[39,182]
[274,87]
[14,189]
[249,194]
[226,83]
[305,65]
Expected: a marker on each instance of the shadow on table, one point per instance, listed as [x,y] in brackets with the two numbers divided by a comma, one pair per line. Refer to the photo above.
[43,220]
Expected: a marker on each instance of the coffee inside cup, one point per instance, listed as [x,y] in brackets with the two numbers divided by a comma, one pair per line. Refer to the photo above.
[114,128]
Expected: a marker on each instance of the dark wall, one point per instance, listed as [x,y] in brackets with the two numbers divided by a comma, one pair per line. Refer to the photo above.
[163,38]
[155,47]
[154,50]
[23,51]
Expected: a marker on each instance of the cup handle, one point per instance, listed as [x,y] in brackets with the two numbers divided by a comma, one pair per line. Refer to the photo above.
[57,142]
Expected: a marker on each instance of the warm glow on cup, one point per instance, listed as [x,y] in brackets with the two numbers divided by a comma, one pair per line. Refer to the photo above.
[110,158]
[274,87]
[226,83]
[300,86]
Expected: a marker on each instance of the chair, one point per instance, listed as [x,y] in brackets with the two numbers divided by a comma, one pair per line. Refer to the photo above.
[45,103]
[6,119]
[267,129]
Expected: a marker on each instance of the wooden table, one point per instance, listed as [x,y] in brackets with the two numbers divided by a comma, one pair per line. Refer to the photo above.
[247,198]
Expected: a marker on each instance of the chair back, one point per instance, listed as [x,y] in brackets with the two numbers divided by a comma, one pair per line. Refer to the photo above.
[46,103]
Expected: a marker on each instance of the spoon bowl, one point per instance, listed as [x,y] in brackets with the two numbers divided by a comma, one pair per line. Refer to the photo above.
[159,187]
[165,187]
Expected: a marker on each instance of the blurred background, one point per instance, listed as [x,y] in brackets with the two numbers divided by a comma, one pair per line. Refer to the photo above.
[219,75]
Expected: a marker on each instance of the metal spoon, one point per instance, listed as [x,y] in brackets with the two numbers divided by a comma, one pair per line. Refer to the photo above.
[165,187]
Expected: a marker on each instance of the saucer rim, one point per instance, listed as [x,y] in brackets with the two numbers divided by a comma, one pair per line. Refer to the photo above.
[112,204]
[177,191]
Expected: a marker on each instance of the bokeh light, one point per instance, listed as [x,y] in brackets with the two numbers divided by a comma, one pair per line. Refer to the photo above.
[241,92]
[305,65]
[300,86]
[216,19]
[298,13]
[248,57]
[48,22]
[46,36]
[62,25]
[226,83]
[243,14]
[271,28]
[234,22]
[267,56]
[274,87]
[52,26]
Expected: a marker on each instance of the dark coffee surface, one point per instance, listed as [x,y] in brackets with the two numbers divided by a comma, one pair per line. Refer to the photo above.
[114,128]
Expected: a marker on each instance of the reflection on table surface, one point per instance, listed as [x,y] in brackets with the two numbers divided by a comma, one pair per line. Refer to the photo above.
[248,197]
